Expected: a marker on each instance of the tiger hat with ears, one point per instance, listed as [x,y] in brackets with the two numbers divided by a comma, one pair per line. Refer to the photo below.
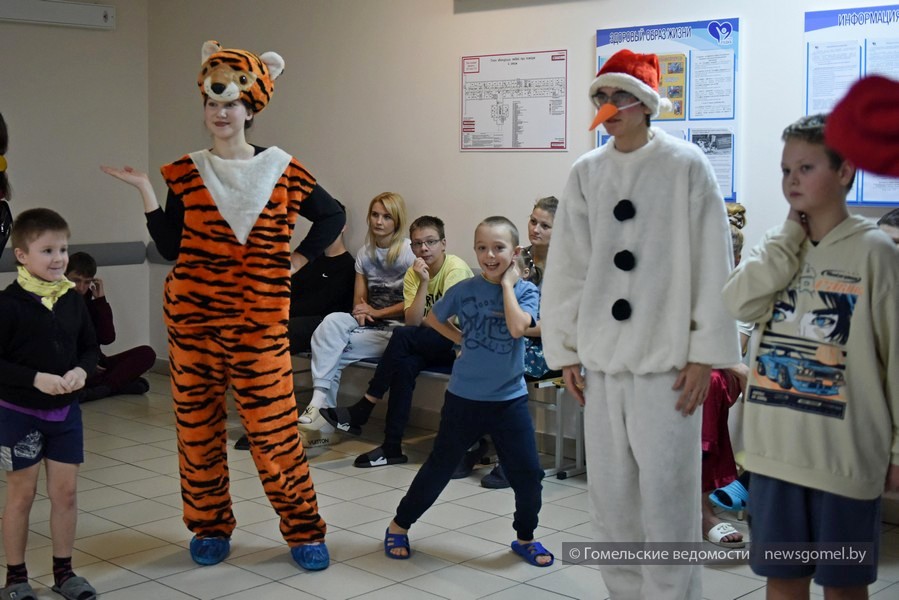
[229,74]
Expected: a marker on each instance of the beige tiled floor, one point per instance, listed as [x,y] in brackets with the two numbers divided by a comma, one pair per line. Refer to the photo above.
[132,544]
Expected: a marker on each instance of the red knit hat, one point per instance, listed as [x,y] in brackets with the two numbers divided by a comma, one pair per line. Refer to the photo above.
[636,74]
[864,125]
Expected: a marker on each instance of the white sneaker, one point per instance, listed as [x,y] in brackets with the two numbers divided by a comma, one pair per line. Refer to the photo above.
[308,415]
[312,421]
[315,439]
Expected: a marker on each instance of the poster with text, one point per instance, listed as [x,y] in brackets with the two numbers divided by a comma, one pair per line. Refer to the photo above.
[699,63]
[515,101]
[840,47]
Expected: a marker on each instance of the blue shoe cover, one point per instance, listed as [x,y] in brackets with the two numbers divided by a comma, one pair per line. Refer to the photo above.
[209,551]
[312,557]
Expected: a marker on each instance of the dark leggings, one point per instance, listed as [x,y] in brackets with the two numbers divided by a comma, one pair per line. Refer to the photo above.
[123,368]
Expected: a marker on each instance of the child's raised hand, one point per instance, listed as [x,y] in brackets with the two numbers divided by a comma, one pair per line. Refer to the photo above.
[51,384]
[421,269]
[96,287]
[129,175]
[512,274]
[799,217]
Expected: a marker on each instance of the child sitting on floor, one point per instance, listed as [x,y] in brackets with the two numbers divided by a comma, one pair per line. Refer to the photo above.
[120,373]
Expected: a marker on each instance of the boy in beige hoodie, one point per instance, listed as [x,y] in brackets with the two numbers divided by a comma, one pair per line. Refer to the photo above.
[819,422]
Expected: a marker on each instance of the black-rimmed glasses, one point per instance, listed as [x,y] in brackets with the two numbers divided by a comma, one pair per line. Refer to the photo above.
[428,243]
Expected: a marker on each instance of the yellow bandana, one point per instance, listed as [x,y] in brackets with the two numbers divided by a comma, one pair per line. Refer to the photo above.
[3,163]
[49,291]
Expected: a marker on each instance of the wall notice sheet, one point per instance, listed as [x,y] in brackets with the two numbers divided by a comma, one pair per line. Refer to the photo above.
[515,101]
[699,62]
[840,47]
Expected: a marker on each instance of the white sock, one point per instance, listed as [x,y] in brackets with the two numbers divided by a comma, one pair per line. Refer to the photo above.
[319,400]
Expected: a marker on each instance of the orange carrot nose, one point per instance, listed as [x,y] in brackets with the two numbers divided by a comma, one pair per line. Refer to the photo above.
[605,112]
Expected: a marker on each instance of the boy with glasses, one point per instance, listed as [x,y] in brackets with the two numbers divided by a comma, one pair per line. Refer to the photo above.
[412,348]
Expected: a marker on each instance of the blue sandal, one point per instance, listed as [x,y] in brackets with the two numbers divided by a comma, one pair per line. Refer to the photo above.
[396,540]
[739,497]
[531,551]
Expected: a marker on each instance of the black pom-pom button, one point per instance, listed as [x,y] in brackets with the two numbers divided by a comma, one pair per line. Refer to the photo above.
[625,260]
[621,310]
[624,210]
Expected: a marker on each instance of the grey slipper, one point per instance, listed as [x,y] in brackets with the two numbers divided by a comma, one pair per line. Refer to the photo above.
[18,591]
[76,588]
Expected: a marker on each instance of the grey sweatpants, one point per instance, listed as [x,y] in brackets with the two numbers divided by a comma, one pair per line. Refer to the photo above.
[643,469]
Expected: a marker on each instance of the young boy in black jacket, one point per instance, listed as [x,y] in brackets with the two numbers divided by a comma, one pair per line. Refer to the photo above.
[47,350]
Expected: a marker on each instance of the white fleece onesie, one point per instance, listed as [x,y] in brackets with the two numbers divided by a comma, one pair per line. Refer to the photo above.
[640,252]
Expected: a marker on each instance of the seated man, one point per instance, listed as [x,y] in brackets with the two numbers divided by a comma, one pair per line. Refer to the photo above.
[321,287]
[120,373]
[412,348]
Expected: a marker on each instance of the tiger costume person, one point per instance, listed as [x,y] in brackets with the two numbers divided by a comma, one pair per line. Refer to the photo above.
[228,221]
[5,213]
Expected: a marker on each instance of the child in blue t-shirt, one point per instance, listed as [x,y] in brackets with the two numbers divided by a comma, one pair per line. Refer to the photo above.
[486,392]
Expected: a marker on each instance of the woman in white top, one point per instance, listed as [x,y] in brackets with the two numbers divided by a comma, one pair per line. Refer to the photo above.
[345,338]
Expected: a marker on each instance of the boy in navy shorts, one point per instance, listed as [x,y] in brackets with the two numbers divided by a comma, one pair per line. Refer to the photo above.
[47,350]
[820,416]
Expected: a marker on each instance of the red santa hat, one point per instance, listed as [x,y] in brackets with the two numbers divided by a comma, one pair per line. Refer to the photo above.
[864,125]
[636,74]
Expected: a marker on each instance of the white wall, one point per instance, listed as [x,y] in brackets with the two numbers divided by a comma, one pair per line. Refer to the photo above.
[369,102]
[370,97]
[73,99]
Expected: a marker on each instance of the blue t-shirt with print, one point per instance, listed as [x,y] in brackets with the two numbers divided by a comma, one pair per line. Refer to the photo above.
[491,365]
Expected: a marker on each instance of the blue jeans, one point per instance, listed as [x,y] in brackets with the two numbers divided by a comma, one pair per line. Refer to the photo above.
[411,350]
[340,341]
[462,422]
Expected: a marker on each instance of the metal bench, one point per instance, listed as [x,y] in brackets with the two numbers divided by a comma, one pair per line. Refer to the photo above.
[536,393]
[556,387]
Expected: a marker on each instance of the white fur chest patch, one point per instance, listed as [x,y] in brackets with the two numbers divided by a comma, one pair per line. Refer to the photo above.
[241,188]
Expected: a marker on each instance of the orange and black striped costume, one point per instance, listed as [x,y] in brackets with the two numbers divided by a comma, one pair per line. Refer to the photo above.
[226,307]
